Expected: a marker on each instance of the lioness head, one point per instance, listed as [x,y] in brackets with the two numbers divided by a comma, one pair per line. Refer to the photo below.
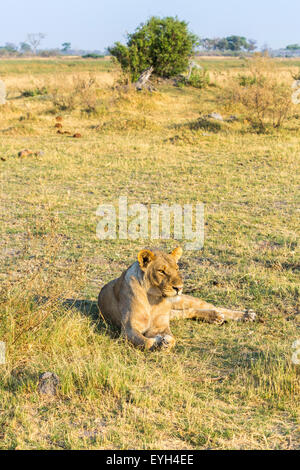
[161,272]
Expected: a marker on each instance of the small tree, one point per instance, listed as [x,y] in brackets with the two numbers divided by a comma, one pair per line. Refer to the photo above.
[236,43]
[293,47]
[163,43]
[230,43]
[251,46]
[66,46]
[25,48]
[35,39]
[11,47]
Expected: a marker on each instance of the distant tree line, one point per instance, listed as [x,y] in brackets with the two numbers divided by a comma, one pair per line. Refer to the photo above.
[293,47]
[229,43]
[32,47]
[27,47]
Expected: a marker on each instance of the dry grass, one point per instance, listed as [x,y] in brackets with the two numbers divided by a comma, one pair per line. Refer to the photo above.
[261,95]
[231,387]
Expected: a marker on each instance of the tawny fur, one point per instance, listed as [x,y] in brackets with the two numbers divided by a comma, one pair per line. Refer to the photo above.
[143,300]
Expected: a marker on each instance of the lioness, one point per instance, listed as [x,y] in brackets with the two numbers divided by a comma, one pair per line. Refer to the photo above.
[146,296]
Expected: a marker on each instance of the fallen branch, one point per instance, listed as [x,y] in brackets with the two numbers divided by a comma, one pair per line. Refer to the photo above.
[142,81]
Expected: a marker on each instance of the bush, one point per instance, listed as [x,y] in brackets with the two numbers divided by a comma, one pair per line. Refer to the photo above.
[35,92]
[92,55]
[199,78]
[246,80]
[81,93]
[262,98]
[164,43]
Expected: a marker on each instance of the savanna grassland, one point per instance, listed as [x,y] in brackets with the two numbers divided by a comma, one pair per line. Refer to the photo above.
[222,387]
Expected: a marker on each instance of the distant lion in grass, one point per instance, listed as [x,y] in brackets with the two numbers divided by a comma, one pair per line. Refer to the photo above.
[143,300]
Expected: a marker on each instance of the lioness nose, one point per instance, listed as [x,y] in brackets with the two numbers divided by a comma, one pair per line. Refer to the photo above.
[177,289]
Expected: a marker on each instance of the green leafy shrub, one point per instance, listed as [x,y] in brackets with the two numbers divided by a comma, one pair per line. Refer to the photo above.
[164,43]
[199,78]
[206,124]
[93,55]
[249,80]
[246,80]
[35,92]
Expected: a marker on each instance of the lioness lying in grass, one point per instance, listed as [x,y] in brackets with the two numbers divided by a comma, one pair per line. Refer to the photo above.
[146,296]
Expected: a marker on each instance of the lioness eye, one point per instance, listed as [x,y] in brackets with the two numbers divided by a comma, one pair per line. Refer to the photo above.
[161,271]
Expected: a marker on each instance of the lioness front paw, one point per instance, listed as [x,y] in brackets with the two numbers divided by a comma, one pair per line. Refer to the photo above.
[160,342]
[249,315]
[168,342]
[154,343]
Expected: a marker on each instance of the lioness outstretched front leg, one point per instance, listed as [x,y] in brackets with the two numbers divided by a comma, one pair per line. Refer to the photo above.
[187,306]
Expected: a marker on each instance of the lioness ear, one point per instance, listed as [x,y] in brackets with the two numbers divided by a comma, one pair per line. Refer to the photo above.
[177,252]
[145,257]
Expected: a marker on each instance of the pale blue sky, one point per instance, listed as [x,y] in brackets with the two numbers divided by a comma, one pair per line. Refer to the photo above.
[95,24]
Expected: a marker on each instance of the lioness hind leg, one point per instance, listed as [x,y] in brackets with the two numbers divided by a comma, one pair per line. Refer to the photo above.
[237,315]
[191,307]
[208,315]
